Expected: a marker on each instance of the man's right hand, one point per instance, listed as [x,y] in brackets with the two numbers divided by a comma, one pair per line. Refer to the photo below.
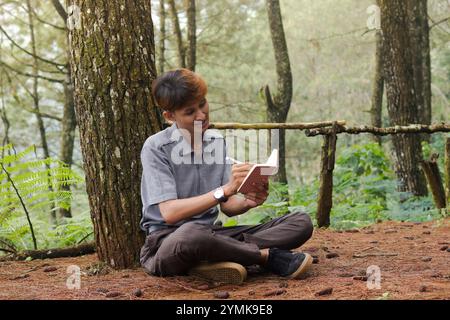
[238,174]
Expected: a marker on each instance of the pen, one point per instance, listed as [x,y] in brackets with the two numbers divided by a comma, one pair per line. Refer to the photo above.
[234,160]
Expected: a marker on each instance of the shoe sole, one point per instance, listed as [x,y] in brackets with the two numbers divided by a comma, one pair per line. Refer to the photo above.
[307,262]
[225,272]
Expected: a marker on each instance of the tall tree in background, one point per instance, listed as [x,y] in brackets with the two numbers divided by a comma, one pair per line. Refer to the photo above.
[162,36]
[398,54]
[278,105]
[191,34]
[112,61]
[377,85]
[420,44]
[178,36]
[36,101]
[68,122]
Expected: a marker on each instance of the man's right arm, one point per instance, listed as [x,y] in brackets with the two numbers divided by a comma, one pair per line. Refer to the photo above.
[177,210]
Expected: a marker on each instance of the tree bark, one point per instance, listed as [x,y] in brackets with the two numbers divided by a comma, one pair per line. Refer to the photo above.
[191,35]
[447,173]
[178,35]
[278,105]
[431,170]
[68,126]
[162,36]
[112,61]
[420,44]
[325,197]
[402,104]
[377,87]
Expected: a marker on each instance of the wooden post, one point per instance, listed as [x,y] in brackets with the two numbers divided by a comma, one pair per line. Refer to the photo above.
[431,170]
[325,200]
[447,173]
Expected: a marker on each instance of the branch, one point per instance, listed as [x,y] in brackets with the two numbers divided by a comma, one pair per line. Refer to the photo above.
[58,65]
[438,22]
[412,128]
[60,9]
[75,251]
[48,23]
[26,74]
[271,125]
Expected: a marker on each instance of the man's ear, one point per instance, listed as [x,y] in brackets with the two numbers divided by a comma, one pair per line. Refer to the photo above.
[169,116]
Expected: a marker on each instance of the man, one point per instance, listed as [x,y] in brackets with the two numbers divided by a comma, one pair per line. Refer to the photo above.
[181,188]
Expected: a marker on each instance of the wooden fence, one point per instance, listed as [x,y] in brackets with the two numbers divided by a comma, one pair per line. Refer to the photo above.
[330,129]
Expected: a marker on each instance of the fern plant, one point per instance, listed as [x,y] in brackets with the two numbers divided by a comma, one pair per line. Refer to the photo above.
[27,186]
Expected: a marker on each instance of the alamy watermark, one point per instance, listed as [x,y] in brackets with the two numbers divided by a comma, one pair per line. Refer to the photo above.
[211,146]
[73,17]
[374,20]
[373,274]
[74,279]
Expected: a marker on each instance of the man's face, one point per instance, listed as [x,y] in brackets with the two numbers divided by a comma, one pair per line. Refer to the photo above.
[186,116]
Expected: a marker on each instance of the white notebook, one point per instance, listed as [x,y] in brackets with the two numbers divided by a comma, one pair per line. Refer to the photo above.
[260,173]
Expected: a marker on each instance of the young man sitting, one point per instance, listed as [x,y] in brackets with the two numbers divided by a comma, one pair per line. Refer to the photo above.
[181,190]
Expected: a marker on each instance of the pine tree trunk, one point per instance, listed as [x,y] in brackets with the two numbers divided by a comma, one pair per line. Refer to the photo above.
[162,36]
[191,35]
[420,44]
[278,106]
[402,105]
[377,87]
[178,35]
[68,124]
[112,61]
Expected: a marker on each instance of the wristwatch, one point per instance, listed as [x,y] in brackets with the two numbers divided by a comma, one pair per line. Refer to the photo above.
[219,195]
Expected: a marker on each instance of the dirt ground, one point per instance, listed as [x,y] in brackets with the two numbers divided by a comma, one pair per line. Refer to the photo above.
[413,259]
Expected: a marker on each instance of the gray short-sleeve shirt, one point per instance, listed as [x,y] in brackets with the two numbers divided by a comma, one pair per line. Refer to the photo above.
[171,170]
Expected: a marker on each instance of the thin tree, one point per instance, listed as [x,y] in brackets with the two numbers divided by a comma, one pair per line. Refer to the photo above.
[36,102]
[112,63]
[191,34]
[178,36]
[377,85]
[162,36]
[419,35]
[68,123]
[402,105]
[278,105]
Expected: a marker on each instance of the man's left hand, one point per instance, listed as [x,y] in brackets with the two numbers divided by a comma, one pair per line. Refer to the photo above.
[257,198]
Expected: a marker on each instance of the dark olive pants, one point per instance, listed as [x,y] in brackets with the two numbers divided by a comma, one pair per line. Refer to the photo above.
[174,251]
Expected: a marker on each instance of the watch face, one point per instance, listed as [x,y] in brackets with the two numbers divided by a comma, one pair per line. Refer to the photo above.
[218,193]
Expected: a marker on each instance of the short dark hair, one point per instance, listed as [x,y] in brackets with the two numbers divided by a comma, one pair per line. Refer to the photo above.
[178,88]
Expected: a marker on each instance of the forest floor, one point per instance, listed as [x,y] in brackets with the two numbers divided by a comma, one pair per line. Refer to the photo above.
[414,261]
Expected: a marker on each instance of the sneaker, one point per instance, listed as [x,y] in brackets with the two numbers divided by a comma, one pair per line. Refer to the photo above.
[288,264]
[225,272]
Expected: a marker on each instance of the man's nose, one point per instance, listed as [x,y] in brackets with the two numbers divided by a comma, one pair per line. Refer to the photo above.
[200,116]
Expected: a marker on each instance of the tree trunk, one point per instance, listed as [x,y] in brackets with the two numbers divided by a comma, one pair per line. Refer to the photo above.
[402,104]
[178,35]
[68,124]
[420,44]
[278,105]
[191,34]
[112,62]
[377,87]
[447,173]
[162,36]
[35,97]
